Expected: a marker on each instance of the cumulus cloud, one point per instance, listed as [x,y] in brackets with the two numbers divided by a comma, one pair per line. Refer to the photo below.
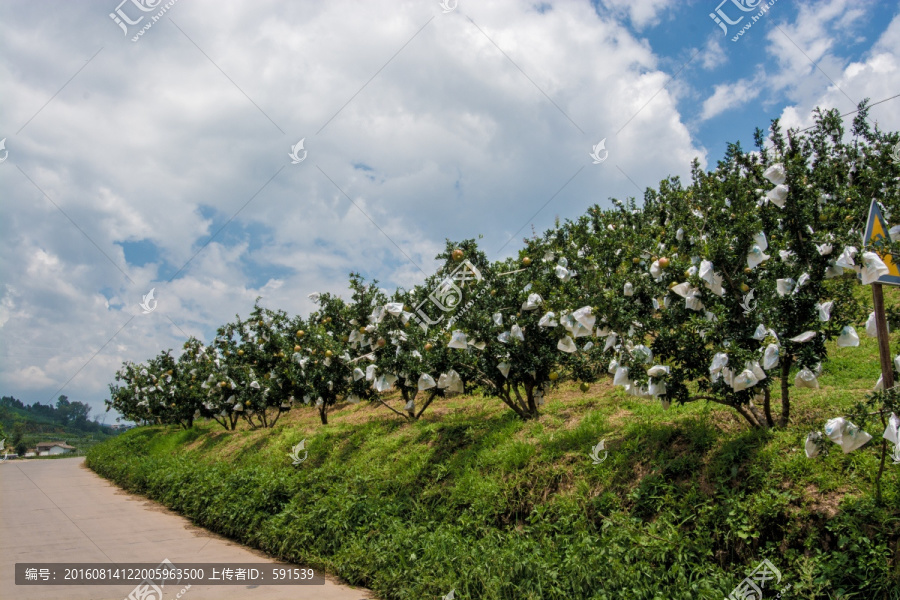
[876,76]
[164,163]
[641,12]
[728,96]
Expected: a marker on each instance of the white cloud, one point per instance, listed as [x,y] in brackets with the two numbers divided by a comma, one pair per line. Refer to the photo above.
[713,54]
[804,65]
[151,143]
[876,76]
[728,96]
[641,12]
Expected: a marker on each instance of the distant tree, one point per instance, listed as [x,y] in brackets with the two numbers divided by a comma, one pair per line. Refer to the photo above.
[45,410]
[62,407]
[10,402]
[17,433]
[21,448]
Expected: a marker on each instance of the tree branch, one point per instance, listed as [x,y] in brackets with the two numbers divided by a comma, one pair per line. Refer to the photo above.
[392,408]
[427,402]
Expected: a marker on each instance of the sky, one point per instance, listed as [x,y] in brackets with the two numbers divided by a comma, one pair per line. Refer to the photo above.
[219,152]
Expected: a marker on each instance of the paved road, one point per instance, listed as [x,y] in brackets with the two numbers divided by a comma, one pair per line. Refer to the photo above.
[59,511]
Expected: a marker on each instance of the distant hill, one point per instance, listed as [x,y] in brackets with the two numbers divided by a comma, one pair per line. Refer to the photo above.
[23,425]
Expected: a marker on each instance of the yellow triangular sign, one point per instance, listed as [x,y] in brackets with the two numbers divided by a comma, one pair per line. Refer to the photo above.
[877,230]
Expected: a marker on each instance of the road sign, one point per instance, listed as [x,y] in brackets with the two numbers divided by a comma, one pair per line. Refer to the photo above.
[877,231]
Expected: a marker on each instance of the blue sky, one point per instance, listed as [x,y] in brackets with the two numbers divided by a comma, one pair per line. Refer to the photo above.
[164,163]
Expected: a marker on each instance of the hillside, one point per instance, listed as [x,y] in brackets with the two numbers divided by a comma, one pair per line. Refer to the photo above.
[472,498]
[68,421]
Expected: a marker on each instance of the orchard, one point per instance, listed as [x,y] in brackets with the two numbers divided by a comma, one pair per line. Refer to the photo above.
[724,289]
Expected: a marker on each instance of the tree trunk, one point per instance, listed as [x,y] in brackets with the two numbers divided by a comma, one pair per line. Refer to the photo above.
[748,415]
[759,416]
[323,414]
[767,407]
[431,397]
[277,416]
[508,400]
[532,405]
[523,403]
[785,389]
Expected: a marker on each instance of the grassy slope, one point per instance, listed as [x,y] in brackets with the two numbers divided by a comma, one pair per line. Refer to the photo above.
[687,503]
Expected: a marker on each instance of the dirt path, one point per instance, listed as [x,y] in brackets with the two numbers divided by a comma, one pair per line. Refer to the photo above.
[58,511]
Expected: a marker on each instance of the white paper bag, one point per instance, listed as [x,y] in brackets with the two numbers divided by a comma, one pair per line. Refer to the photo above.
[426,382]
[583,315]
[845,434]
[743,380]
[533,301]
[825,310]
[756,256]
[756,370]
[760,333]
[892,431]
[848,337]
[872,326]
[784,286]
[621,376]
[657,371]
[804,337]
[394,308]
[566,344]
[806,379]
[718,363]
[450,381]
[775,174]
[684,289]
[384,382]
[548,320]
[812,444]
[873,268]
[642,353]
[693,303]
[770,357]
[458,340]
[845,260]
[610,341]
[778,195]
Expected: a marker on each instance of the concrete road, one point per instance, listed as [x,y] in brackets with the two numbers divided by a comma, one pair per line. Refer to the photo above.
[58,511]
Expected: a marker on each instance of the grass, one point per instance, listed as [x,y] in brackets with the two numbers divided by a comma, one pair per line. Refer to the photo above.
[470,498]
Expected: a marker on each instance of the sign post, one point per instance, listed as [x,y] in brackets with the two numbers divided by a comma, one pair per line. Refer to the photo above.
[884,344]
[877,231]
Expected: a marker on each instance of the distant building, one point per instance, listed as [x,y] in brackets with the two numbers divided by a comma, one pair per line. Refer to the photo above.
[53,448]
